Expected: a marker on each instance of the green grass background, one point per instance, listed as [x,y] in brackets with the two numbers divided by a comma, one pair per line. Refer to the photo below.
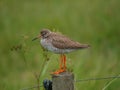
[96,22]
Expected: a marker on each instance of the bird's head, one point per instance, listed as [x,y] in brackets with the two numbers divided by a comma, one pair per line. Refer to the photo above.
[44,33]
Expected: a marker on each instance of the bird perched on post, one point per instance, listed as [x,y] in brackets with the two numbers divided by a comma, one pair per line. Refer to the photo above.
[59,44]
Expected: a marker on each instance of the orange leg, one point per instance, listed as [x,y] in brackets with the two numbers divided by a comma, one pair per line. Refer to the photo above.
[61,61]
[64,61]
[62,65]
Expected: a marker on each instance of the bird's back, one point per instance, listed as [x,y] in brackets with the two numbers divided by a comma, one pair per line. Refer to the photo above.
[63,42]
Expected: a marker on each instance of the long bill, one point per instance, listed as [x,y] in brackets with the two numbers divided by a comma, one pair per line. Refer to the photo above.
[36,37]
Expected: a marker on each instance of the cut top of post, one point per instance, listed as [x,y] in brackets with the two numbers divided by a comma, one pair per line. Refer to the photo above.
[63,81]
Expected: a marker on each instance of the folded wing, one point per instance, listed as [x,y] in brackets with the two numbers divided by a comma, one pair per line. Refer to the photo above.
[63,42]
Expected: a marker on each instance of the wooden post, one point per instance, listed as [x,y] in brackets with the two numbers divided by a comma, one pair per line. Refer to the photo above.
[63,81]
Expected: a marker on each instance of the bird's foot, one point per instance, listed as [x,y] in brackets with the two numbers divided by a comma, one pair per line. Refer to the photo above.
[59,71]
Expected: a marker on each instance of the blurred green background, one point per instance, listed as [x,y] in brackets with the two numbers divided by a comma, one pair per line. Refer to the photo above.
[96,22]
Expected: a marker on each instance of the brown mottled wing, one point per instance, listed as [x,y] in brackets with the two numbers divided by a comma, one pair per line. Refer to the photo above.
[63,42]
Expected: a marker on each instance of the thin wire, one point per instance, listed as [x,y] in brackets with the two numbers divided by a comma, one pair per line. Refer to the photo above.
[81,80]
[91,79]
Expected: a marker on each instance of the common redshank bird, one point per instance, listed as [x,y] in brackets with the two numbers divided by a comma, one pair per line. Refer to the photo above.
[59,44]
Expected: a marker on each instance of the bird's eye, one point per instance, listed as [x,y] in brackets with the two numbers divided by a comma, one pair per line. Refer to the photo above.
[44,33]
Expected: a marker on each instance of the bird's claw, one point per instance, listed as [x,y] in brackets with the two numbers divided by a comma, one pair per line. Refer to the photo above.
[59,71]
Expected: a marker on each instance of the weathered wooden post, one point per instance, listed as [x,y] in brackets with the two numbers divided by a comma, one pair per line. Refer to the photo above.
[63,81]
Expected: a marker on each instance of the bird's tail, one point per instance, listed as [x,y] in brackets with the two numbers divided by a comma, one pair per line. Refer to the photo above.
[82,46]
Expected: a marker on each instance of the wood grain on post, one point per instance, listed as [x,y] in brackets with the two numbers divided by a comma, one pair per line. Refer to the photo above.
[63,81]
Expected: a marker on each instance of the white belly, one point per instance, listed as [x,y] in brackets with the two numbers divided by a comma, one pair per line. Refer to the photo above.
[47,45]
